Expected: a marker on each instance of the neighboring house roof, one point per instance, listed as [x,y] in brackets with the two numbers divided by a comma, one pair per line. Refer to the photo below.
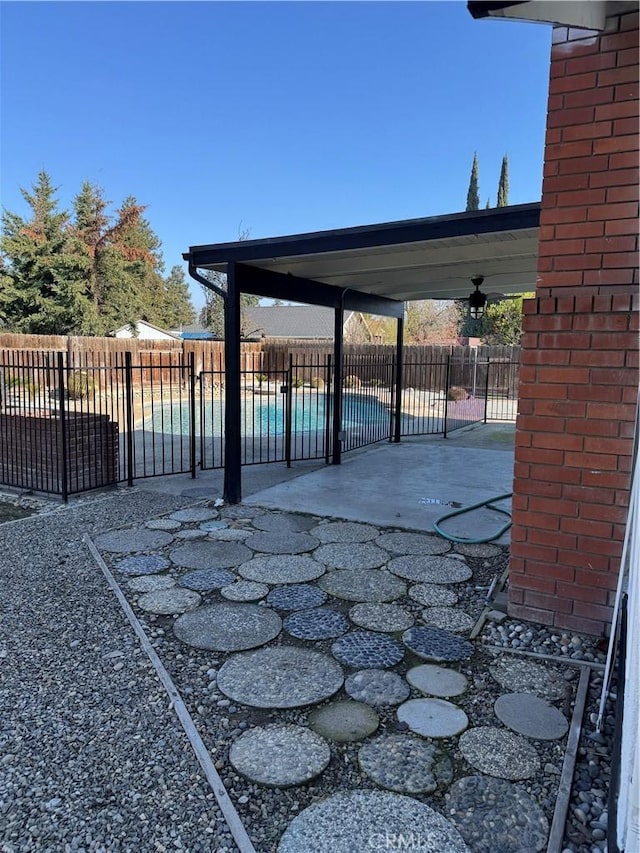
[291,321]
[194,332]
[144,331]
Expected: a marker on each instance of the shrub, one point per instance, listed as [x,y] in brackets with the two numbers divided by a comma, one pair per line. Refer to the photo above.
[352,381]
[298,382]
[456,394]
[261,377]
[80,385]
[376,383]
[316,382]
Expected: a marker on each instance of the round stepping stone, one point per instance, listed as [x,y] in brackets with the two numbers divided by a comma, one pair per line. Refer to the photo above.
[210,555]
[190,533]
[377,687]
[194,514]
[433,717]
[340,555]
[405,764]
[165,602]
[162,524]
[344,721]
[148,583]
[477,549]
[282,543]
[281,569]
[373,585]
[280,755]
[126,541]
[280,677]
[344,531]
[283,523]
[213,525]
[497,752]
[366,650]
[230,534]
[420,544]
[300,596]
[528,715]
[437,680]
[244,591]
[240,511]
[381,617]
[321,623]
[369,820]
[204,580]
[494,816]
[449,618]
[143,564]
[523,676]
[436,644]
[430,569]
[432,595]
[228,627]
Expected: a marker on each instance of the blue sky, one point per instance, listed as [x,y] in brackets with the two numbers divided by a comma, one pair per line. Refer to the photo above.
[274,118]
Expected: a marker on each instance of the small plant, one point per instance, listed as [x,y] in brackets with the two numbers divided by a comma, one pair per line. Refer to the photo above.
[80,385]
[352,381]
[316,382]
[298,382]
[376,383]
[261,377]
[456,394]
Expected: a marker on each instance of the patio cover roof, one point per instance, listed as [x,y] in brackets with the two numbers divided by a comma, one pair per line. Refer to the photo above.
[430,258]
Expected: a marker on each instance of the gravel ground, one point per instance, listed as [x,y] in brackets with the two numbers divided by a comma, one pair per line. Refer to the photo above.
[92,757]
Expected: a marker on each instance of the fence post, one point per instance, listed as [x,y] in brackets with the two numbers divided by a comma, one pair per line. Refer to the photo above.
[192,413]
[128,379]
[63,429]
[399,377]
[327,410]
[446,394]
[486,390]
[287,415]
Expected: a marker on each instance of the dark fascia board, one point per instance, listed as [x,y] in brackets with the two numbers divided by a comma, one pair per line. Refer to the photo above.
[276,285]
[512,218]
[479,9]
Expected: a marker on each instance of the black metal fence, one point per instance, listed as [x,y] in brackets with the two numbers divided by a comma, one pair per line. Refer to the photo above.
[70,427]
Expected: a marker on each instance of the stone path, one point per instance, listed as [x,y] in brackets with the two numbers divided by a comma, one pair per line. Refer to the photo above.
[336,617]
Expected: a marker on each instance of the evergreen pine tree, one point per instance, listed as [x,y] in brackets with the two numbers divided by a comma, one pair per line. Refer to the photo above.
[177,309]
[473,196]
[503,186]
[488,204]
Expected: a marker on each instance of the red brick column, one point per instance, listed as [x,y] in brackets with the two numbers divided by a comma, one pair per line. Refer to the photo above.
[579,370]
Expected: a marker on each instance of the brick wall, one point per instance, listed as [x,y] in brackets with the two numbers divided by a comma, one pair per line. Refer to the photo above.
[31,452]
[579,368]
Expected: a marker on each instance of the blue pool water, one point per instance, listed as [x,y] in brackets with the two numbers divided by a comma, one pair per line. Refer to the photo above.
[267,416]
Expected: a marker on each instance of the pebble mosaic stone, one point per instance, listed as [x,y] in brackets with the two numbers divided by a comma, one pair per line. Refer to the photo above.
[279,755]
[162,524]
[228,627]
[436,644]
[344,721]
[280,677]
[432,595]
[367,650]
[204,580]
[283,522]
[494,816]
[498,752]
[374,585]
[377,687]
[437,680]
[210,555]
[367,820]
[524,676]
[433,717]
[320,623]
[194,514]
[148,583]
[388,618]
[430,569]
[406,764]
[190,533]
[339,555]
[240,511]
[282,543]
[301,596]
[528,715]
[281,569]
[143,564]
[477,549]
[230,534]
[166,602]
[244,591]
[344,531]
[213,525]
[133,539]
[419,544]
[449,618]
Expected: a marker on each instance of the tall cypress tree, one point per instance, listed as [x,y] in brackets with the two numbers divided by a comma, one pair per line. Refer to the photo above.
[503,186]
[473,194]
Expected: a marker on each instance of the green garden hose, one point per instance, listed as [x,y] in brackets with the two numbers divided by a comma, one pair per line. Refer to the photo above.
[488,503]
